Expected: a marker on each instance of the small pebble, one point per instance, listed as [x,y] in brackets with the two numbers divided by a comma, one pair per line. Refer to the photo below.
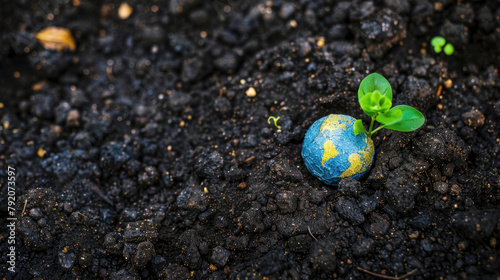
[145,252]
[66,260]
[251,92]
[448,83]
[41,152]
[438,6]
[414,235]
[220,256]
[73,118]
[35,213]
[42,222]
[321,42]
[474,118]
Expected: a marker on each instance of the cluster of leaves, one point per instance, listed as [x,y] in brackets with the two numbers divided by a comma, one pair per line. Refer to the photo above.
[439,44]
[375,98]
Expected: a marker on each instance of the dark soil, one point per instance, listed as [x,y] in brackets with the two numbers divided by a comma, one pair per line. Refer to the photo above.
[140,156]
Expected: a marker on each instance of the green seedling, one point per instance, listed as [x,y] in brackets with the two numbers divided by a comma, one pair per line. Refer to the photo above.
[439,44]
[275,119]
[449,49]
[375,99]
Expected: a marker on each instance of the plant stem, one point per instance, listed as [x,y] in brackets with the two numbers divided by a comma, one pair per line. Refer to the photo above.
[377,129]
[371,126]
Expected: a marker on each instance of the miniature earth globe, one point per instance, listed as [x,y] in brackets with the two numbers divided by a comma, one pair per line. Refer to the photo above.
[331,151]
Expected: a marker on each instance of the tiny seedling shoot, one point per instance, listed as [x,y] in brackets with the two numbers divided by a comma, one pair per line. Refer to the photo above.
[439,44]
[375,99]
[338,146]
[275,119]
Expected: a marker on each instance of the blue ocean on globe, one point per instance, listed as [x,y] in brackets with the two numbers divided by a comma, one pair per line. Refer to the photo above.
[331,151]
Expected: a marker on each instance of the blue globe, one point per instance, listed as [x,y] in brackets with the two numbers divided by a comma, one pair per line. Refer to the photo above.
[331,151]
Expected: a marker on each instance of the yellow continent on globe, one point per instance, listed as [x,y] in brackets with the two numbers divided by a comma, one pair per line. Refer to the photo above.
[333,122]
[355,161]
[330,151]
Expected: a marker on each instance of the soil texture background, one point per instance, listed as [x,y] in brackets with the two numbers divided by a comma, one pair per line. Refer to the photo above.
[145,152]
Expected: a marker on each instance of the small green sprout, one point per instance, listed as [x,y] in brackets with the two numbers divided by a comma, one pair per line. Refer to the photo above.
[375,99]
[439,42]
[449,49]
[275,121]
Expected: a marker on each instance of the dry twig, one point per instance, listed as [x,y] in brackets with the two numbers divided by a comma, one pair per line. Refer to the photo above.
[24,209]
[387,277]
[83,215]
[311,233]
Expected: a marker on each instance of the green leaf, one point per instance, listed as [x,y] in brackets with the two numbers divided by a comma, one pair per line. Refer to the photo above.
[390,116]
[375,82]
[438,41]
[449,49]
[358,127]
[375,102]
[401,118]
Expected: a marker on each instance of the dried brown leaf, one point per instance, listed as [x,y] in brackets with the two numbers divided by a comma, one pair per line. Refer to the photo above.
[56,38]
